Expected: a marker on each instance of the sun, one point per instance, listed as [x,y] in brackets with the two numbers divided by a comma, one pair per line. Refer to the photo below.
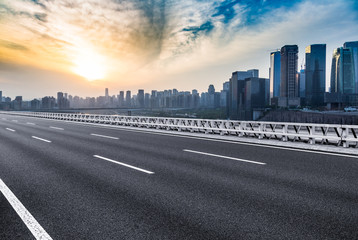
[89,65]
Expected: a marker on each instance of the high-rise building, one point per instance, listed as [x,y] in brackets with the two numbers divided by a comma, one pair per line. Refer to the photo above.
[62,102]
[0,96]
[315,74]
[59,97]
[254,72]
[48,102]
[195,99]
[289,87]
[17,103]
[211,97]
[121,98]
[224,94]
[35,104]
[147,100]
[226,86]
[211,89]
[354,49]
[236,93]
[342,72]
[154,100]
[106,93]
[275,74]
[128,99]
[257,95]
[302,81]
[140,98]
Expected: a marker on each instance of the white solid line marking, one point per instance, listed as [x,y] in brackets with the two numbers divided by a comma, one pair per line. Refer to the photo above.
[11,130]
[57,128]
[123,164]
[220,156]
[30,123]
[26,217]
[41,139]
[98,135]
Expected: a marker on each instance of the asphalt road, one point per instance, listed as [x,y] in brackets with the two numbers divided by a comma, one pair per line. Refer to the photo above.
[89,182]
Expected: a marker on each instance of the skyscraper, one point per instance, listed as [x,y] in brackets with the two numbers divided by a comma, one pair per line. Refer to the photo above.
[17,102]
[147,100]
[342,72]
[211,89]
[289,88]
[257,95]
[106,94]
[140,98]
[59,96]
[128,99]
[236,93]
[275,74]
[354,49]
[225,95]
[121,98]
[62,102]
[315,74]
[302,81]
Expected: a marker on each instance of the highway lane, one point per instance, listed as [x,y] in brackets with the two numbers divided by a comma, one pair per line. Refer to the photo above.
[295,195]
[11,226]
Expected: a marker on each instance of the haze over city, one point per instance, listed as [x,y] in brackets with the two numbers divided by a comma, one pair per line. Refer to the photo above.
[84,46]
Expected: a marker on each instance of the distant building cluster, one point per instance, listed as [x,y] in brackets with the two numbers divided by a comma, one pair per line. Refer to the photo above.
[171,98]
[245,96]
[155,100]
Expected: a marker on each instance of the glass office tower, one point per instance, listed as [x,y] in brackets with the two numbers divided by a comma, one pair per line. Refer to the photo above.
[342,72]
[315,74]
[353,46]
[275,74]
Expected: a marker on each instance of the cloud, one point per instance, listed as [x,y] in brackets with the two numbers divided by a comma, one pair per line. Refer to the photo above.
[12,45]
[204,28]
[227,10]
[154,41]
[41,17]
[37,2]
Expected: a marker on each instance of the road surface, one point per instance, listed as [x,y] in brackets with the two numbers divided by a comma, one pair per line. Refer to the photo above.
[82,181]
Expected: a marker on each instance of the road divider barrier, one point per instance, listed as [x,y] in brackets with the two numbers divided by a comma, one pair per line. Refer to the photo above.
[340,135]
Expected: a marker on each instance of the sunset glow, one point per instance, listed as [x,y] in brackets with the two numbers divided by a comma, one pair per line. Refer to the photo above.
[90,66]
[136,44]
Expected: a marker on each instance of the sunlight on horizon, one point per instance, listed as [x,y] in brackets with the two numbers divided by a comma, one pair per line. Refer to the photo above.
[89,65]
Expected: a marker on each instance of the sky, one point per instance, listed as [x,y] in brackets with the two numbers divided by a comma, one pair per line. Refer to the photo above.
[81,47]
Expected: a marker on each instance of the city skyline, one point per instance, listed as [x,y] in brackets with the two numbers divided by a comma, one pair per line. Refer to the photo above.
[202,45]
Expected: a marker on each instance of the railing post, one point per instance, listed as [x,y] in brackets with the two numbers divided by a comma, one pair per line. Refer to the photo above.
[261,129]
[312,139]
[242,127]
[284,133]
[345,132]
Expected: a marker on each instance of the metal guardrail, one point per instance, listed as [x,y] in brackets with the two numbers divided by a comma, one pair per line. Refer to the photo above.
[340,135]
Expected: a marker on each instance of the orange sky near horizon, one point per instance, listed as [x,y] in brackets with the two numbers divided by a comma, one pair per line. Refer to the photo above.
[81,47]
